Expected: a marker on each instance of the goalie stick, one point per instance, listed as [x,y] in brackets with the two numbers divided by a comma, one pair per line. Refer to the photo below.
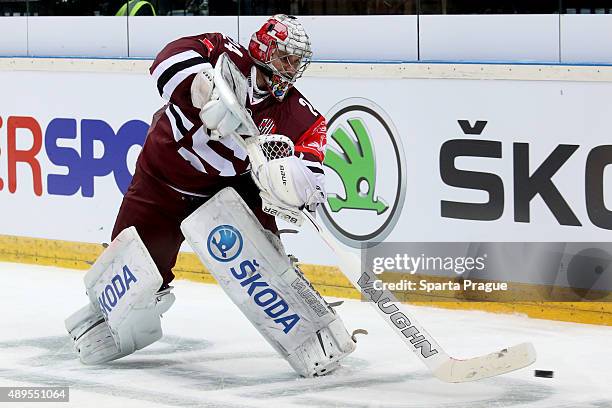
[443,366]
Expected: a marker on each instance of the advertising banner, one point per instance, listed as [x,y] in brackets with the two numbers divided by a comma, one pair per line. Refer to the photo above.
[68,147]
[408,160]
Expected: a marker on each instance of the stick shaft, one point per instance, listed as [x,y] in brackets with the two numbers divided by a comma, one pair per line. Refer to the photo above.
[391,310]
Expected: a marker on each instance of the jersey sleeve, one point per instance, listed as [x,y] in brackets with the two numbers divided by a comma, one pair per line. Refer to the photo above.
[180,61]
[177,64]
[312,142]
[310,148]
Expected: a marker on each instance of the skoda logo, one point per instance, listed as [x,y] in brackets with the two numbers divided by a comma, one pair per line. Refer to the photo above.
[224,243]
[366,173]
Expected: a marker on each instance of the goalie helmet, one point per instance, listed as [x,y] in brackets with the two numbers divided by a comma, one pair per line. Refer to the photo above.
[281,48]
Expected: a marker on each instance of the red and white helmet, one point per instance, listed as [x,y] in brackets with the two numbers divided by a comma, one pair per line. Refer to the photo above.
[281,48]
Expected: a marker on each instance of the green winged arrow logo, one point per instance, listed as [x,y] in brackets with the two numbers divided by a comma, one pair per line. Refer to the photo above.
[356,166]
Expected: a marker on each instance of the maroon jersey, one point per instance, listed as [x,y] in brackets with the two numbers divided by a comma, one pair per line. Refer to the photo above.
[178,150]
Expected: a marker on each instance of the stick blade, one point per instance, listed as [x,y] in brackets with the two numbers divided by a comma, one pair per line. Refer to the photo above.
[490,365]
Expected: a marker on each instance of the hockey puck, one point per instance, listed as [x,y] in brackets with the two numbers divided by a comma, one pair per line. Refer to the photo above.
[544,373]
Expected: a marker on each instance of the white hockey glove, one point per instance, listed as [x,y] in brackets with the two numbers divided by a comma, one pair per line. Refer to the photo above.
[288,182]
[222,120]
[213,113]
[202,87]
[219,119]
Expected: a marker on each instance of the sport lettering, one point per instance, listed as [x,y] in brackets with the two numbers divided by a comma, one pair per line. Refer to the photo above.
[264,296]
[118,286]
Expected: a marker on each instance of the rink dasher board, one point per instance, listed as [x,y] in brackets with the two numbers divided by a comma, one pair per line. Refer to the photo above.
[322,71]
[339,69]
[328,280]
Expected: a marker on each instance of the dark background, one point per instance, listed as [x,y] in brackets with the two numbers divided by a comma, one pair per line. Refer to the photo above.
[305,7]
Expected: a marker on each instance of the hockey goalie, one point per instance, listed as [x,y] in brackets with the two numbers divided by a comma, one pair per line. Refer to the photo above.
[194,180]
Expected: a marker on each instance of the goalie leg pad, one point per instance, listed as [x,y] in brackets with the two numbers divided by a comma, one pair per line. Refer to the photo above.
[321,352]
[125,306]
[92,337]
[260,279]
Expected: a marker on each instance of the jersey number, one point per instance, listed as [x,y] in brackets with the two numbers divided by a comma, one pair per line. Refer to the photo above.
[305,103]
[232,46]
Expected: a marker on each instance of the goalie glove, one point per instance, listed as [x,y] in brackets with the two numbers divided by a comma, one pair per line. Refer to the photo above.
[203,87]
[215,114]
[287,182]
[219,119]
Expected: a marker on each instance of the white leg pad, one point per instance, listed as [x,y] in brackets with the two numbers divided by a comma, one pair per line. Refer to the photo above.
[91,335]
[321,353]
[260,279]
[125,306]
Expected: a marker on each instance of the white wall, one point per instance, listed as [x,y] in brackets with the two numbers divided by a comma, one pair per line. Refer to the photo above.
[352,38]
[99,36]
[14,36]
[148,35]
[494,38]
[586,38]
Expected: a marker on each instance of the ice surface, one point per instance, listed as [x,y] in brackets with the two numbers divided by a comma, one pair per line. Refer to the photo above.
[211,356]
